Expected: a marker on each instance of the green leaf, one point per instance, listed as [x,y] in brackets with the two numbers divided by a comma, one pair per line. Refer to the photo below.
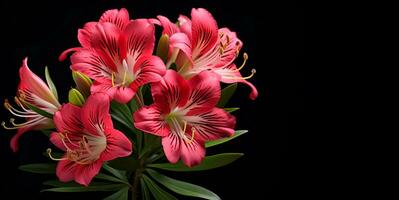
[110,178]
[38,110]
[75,97]
[121,113]
[183,188]
[47,132]
[230,110]
[122,194]
[57,183]
[163,47]
[144,190]
[156,191]
[210,162]
[39,168]
[133,105]
[226,94]
[110,187]
[223,140]
[50,83]
[117,173]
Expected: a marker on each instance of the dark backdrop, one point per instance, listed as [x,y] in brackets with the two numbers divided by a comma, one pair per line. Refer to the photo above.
[273,37]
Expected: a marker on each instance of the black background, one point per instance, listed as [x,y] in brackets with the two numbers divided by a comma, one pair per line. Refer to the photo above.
[273,37]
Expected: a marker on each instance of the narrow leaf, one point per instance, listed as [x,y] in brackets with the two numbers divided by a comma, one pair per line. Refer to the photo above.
[230,110]
[156,191]
[110,178]
[144,190]
[210,162]
[117,173]
[50,83]
[38,110]
[75,97]
[122,194]
[223,140]
[39,168]
[57,183]
[226,94]
[183,188]
[111,187]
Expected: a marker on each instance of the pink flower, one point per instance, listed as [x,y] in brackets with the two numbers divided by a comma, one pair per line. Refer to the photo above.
[88,137]
[32,91]
[117,53]
[197,45]
[185,116]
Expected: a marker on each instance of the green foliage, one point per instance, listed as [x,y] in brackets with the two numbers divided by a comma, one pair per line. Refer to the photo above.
[223,140]
[226,94]
[183,188]
[50,83]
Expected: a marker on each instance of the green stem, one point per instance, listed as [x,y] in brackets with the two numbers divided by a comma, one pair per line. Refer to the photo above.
[136,183]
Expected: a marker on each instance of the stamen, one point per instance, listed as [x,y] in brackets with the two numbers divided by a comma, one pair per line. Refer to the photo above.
[192,135]
[185,126]
[253,71]
[51,156]
[3,123]
[245,56]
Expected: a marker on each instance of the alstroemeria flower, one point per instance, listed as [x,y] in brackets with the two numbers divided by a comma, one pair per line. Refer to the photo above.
[31,91]
[88,137]
[117,53]
[185,116]
[197,45]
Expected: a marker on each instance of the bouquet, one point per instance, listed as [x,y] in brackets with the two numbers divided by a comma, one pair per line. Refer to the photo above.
[132,112]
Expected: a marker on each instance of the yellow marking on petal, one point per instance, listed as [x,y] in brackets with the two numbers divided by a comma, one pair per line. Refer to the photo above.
[113,79]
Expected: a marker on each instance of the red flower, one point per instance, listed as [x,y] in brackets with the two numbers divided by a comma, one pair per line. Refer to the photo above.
[185,116]
[88,137]
[197,45]
[117,53]
[31,90]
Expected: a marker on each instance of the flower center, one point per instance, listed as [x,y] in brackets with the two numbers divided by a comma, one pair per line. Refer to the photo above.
[84,151]
[178,125]
[124,76]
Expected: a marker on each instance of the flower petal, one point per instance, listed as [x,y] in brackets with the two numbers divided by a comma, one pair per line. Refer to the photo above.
[204,31]
[212,125]
[205,92]
[170,92]
[68,119]
[90,63]
[103,85]
[140,39]
[84,35]
[14,140]
[105,40]
[66,170]
[118,145]
[169,28]
[119,18]
[95,113]
[231,46]
[185,25]
[85,173]
[123,94]
[182,42]
[171,147]
[230,74]
[148,70]
[191,152]
[148,119]
[34,89]
[55,138]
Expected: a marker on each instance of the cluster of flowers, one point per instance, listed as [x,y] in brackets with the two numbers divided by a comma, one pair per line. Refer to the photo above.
[114,60]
